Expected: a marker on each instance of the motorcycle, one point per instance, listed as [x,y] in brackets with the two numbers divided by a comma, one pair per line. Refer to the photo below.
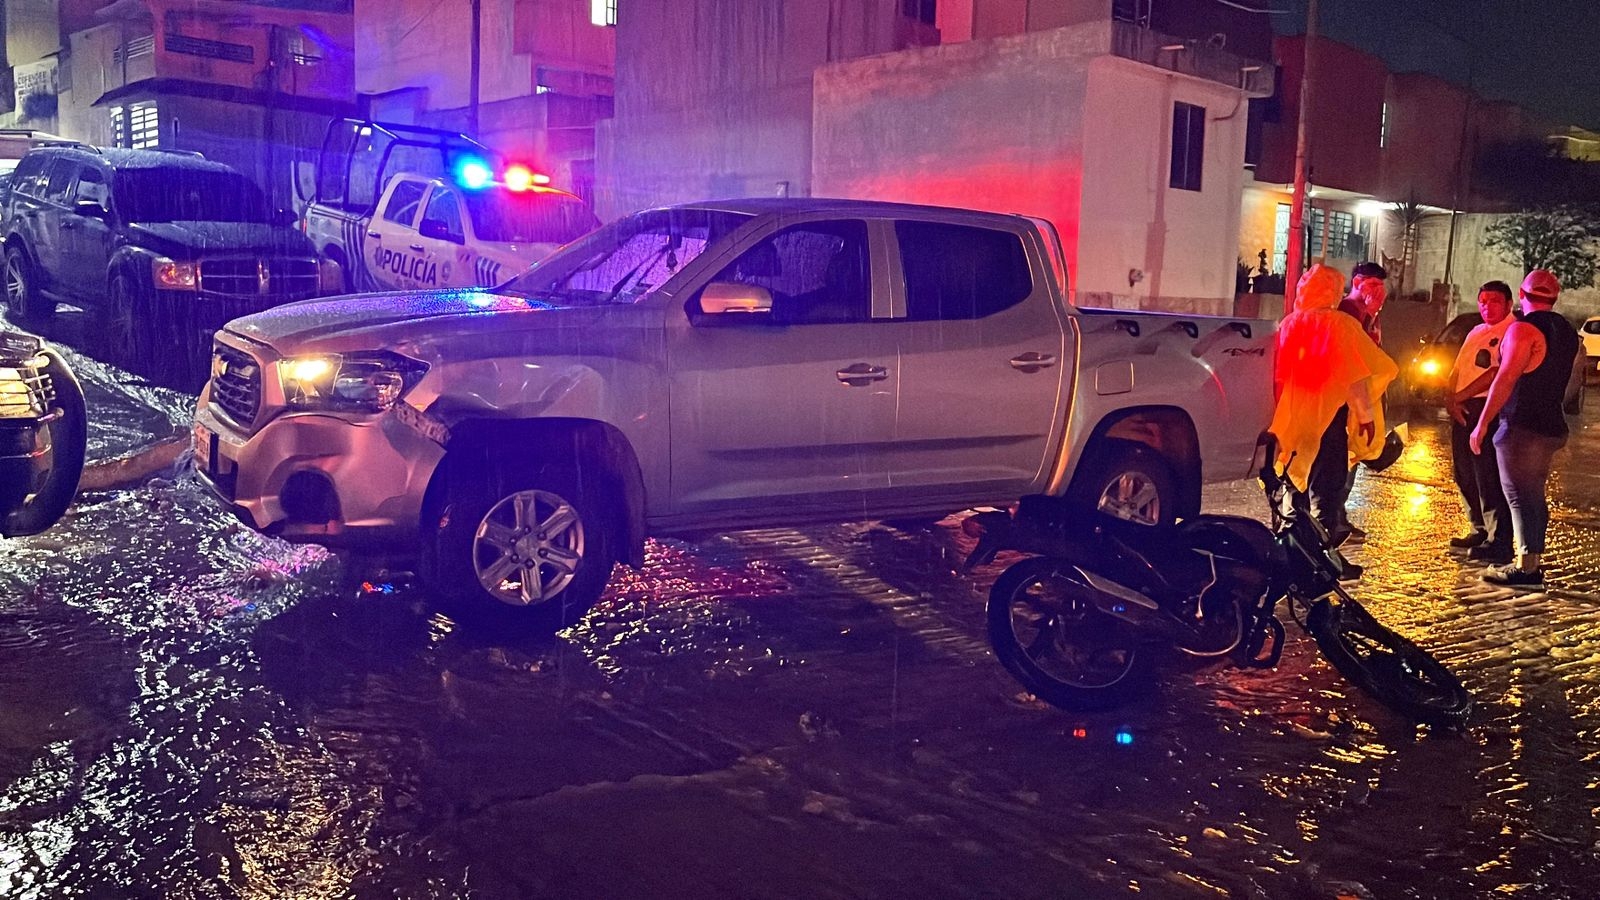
[43,435]
[1081,622]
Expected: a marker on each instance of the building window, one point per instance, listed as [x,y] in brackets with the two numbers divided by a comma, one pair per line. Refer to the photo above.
[1343,242]
[136,125]
[603,12]
[1383,127]
[1188,145]
[924,11]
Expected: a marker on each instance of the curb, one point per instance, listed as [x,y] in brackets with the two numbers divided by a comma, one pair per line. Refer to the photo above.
[136,467]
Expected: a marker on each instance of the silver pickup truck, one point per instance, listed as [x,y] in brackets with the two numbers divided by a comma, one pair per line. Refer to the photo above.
[710,366]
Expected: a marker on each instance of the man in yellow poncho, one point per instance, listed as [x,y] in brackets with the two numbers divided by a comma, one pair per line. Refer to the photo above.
[1329,379]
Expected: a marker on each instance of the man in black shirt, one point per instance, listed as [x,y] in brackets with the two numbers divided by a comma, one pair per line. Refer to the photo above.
[1536,360]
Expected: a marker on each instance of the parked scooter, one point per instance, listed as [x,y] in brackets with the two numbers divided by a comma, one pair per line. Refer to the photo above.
[43,435]
[1081,624]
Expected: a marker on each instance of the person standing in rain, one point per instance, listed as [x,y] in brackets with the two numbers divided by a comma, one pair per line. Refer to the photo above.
[1328,375]
[1369,287]
[1536,360]
[1477,475]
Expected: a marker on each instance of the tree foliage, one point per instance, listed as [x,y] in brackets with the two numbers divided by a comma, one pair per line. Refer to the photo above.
[1558,238]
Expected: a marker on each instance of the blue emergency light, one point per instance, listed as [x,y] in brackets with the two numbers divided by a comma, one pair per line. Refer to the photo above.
[473,173]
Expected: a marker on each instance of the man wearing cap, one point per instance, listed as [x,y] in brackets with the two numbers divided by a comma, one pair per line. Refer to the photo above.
[1477,475]
[1536,360]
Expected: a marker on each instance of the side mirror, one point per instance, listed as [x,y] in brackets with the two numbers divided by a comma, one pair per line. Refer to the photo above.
[729,298]
[90,208]
[436,229]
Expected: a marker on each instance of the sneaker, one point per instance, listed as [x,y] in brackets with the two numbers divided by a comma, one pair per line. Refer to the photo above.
[1468,541]
[1509,575]
[1493,554]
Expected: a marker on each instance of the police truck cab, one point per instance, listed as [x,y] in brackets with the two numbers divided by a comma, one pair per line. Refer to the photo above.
[433,233]
[400,207]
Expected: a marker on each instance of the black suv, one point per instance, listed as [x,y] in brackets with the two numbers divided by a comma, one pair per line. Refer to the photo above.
[167,246]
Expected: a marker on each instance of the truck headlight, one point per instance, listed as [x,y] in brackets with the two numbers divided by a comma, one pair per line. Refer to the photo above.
[330,277]
[364,382]
[170,275]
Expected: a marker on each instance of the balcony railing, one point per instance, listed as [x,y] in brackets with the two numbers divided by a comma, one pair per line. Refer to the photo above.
[1190,57]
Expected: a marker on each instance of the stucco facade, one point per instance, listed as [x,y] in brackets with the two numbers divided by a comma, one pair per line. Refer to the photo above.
[1053,124]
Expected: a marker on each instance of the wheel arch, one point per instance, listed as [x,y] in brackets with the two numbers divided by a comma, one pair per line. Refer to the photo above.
[1169,431]
[577,439]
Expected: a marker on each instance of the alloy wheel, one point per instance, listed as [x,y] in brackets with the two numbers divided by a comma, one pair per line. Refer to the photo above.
[528,547]
[16,282]
[1133,497]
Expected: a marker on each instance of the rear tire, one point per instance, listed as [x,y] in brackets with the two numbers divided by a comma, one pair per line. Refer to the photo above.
[1394,670]
[540,533]
[1129,481]
[1057,645]
[22,288]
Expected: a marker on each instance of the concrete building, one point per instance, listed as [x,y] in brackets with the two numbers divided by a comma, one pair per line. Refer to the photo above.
[545,74]
[1129,138]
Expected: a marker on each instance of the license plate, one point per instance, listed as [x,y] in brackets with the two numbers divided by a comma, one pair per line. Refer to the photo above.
[204,447]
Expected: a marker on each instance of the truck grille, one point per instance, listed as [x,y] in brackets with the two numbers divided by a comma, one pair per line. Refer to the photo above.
[236,384]
[282,279]
[25,393]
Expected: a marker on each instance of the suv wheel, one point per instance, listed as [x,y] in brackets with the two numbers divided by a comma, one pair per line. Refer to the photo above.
[122,329]
[523,546]
[22,294]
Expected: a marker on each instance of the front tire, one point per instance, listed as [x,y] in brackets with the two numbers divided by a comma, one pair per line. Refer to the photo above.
[1394,670]
[521,546]
[22,289]
[1052,639]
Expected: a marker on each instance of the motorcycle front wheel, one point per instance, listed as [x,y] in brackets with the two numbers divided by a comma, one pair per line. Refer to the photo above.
[1394,670]
[1054,641]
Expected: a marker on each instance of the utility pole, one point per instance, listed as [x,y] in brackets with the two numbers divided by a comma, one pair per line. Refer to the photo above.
[472,91]
[1297,209]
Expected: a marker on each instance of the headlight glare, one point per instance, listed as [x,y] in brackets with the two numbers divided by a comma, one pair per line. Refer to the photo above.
[170,275]
[367,382]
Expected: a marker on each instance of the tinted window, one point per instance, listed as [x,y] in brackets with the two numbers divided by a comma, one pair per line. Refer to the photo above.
[186,194]
[30,174]
[1188,145]
[817,273]
[403,203]
[1592,326]
[61,175]
[443,207]
[537,217]
[961,272]
[92,186]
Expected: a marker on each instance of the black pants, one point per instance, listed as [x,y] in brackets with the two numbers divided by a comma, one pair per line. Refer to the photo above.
[1477,476]
[1328,485]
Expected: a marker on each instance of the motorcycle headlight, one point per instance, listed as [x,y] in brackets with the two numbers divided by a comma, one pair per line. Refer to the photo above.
[363,382]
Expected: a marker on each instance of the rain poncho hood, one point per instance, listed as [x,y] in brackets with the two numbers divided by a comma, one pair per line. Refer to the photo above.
[1323,354]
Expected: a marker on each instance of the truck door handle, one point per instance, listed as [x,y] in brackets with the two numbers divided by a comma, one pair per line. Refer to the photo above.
[373,234]
[861,374]
[416,247]
[1033,362]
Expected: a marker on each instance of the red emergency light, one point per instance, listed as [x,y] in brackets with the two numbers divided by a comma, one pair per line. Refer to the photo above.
[520,178]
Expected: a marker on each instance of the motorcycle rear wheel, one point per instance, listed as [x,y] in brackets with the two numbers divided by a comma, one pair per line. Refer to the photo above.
[1389,667]
[1052,639]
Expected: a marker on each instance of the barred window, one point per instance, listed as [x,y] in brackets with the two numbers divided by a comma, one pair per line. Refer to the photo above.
[137,125]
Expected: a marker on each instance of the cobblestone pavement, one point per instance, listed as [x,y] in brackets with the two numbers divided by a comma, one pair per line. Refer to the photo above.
[188,709]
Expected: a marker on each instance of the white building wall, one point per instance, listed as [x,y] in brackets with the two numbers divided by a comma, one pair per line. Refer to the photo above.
[1144,244]
[427,44]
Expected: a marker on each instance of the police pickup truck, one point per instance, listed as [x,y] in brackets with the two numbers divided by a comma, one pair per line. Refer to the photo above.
[718,365]
[459,216]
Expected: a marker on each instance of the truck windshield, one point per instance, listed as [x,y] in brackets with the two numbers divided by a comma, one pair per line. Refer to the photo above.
[180,194]
[627,260]
[533,217]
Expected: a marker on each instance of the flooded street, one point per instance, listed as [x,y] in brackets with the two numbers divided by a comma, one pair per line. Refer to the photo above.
[191,710]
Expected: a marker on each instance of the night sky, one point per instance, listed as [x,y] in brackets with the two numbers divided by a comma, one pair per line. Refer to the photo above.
[1541,54]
